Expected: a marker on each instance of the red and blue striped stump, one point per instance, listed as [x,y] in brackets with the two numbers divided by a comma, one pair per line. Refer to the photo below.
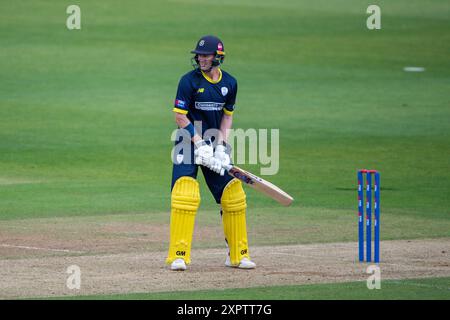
[367,220]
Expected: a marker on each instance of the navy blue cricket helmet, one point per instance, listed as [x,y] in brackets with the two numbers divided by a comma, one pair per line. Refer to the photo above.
[210,45]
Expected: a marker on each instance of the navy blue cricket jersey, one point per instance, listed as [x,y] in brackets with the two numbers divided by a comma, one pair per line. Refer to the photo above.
[205,100]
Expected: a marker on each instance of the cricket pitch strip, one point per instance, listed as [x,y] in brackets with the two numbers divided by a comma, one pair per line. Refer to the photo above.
[131,272]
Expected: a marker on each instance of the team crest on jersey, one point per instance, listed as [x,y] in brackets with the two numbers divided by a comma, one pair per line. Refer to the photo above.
[201,90]
[224,91]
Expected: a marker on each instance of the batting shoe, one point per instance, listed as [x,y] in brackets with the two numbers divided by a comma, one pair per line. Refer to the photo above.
[178,265]
[245,263]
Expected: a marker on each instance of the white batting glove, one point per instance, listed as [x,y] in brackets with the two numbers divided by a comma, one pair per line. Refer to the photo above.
[203,153]
[222,155]
[216,166]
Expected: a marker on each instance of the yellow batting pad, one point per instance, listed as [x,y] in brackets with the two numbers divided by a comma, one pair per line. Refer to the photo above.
[184,205]
[234,225]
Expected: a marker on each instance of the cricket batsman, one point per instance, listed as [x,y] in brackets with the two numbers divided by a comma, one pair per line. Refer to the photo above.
[206,96]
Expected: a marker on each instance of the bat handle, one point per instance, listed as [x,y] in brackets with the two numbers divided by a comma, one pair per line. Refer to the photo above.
[225,168]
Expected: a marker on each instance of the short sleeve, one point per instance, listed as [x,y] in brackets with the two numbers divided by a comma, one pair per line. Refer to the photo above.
[183,98]
[231,100]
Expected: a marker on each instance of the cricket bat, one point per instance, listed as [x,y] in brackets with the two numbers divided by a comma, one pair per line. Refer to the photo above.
[260,184]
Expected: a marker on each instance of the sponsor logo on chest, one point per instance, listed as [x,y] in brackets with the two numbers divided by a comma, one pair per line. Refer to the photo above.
[209,106]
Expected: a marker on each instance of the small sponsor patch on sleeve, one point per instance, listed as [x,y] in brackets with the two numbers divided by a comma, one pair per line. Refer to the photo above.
[180,104]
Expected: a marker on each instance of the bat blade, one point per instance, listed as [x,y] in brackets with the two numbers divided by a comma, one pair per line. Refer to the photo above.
[261,185]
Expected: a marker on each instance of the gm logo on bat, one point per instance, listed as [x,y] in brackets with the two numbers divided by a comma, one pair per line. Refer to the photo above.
[242,177]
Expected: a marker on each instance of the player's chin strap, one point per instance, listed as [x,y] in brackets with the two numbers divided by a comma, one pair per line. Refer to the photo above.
[194,63]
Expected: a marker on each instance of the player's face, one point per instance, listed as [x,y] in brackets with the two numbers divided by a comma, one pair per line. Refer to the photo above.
[205,61]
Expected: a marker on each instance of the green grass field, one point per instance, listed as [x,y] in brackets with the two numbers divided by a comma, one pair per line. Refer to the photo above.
[86,115]
[417,289]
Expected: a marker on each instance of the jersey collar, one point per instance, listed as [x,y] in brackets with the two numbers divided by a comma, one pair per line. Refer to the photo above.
[211,80]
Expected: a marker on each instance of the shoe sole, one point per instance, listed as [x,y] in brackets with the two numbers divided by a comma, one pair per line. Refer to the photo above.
[241,267]
[177,268]
[180,268]
[246,268]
